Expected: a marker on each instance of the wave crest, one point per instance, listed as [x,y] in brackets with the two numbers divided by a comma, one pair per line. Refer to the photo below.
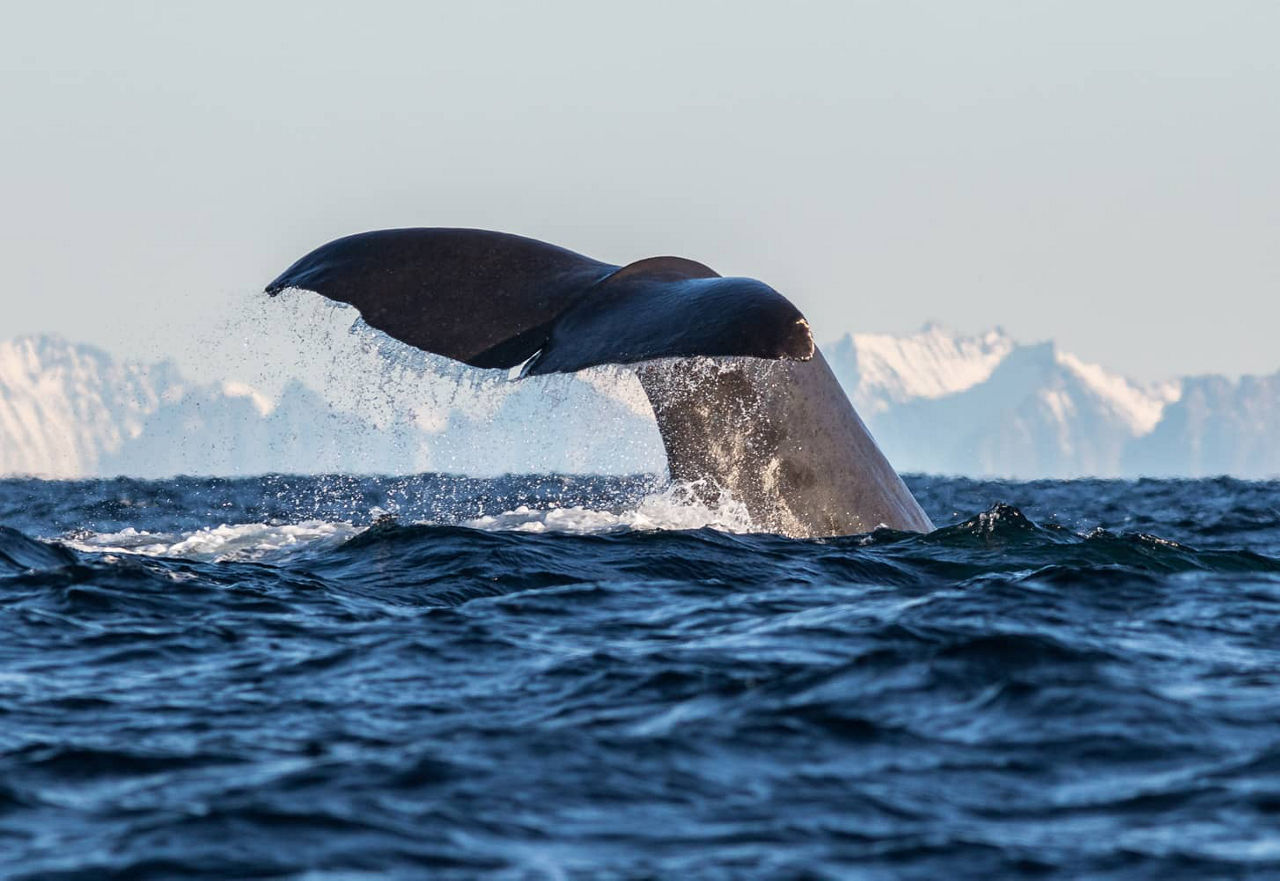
[683,505]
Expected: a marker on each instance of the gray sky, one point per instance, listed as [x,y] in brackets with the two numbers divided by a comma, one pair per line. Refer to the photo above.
[1101,173]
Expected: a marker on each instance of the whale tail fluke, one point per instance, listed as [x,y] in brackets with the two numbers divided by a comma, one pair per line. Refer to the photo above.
[497,300]
[766,421]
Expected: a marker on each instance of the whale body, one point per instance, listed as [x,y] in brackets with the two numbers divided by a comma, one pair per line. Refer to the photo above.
[744,402]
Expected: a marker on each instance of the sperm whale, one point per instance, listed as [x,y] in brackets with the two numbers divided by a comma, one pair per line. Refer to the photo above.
[744,401]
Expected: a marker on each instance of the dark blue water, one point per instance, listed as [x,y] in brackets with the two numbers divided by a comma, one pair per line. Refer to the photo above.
[1066,680]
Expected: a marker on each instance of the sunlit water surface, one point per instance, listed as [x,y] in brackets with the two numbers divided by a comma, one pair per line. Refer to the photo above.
[554,678]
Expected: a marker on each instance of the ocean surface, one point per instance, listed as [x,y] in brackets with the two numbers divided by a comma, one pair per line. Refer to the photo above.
[528,678]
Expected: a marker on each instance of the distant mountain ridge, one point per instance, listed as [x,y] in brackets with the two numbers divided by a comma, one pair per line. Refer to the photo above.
[70,410]
[937,401]
[986,405]
[64,407]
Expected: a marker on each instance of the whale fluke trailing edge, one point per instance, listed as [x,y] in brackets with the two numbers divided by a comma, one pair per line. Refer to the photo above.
[744,401]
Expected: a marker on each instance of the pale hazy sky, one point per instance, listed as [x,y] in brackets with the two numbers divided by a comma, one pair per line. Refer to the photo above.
[1103,173]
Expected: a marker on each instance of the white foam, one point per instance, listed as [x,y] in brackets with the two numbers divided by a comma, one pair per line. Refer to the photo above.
[678,507]
[1140,407]
[241,541]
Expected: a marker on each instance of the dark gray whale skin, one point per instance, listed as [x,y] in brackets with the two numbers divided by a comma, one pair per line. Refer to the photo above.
[743,400]
[782,436]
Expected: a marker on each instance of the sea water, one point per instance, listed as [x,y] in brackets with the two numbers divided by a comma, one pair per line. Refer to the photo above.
[544,677]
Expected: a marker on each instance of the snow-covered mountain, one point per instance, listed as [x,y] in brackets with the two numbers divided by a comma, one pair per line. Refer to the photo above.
[63,407]
[937,401]
[1216,427]
[881,371]
[70,410]
[942,402]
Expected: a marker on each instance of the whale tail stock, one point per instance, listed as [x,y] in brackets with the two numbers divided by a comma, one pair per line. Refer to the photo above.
[766,420]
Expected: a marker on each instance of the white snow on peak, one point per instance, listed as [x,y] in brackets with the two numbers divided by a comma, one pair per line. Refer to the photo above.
[63,405]
[930,363]
[881,371]
[984,404]
[263,404]
[1139,406]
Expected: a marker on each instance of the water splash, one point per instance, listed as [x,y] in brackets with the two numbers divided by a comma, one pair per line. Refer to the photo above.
[682,505]
[222,543]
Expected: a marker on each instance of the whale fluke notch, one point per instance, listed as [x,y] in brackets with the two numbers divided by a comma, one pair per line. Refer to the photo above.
[743,400]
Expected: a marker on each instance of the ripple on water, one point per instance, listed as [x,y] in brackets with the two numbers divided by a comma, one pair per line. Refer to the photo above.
[592,677]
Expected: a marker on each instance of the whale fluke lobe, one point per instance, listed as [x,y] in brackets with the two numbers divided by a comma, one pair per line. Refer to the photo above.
[492,299]
[742,398]
[633,316]
[484,298]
